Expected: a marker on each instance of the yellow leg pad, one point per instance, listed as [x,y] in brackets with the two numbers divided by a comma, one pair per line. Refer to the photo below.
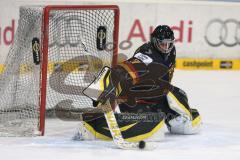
[196,121]
[146,135]
[176,105]
[95,133]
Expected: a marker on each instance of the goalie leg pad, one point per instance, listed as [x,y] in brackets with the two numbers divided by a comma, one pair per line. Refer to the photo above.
[188,121]
[183,125]
[132,130]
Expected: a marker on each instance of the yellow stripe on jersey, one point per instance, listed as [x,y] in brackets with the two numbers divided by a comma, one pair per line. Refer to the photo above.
[131,71]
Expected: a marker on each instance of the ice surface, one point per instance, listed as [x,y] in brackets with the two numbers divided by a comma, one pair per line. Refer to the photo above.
[216,94]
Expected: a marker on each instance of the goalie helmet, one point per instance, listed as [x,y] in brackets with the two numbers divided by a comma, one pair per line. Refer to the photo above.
[162,38]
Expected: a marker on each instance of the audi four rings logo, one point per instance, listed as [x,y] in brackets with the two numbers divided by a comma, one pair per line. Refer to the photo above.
[219,32]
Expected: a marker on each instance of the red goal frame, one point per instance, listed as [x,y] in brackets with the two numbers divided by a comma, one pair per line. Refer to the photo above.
[44,48]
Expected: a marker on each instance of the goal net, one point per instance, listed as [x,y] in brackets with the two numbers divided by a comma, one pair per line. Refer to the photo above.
[57,52]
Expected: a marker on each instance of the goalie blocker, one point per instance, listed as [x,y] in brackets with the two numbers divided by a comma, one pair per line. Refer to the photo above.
[131,83]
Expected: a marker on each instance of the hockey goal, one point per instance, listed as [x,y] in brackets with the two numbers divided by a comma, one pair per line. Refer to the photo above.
[57,52]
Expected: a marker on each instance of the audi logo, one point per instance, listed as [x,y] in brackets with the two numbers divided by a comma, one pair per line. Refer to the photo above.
[223,32]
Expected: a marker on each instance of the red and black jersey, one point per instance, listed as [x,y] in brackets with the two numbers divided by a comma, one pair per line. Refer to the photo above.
[150,73]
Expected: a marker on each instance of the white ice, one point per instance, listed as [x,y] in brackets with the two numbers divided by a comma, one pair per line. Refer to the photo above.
[216,94]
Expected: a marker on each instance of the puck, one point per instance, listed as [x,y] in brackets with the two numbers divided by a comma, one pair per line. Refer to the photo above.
[142,144]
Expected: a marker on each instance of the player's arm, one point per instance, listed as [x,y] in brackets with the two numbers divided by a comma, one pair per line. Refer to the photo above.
[119,77]
[126,78]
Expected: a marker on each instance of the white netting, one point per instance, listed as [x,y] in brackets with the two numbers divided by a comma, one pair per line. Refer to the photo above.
[73,62]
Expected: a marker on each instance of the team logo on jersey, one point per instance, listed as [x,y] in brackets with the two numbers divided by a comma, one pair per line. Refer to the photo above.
[36,50]
[101,37]
[144,58]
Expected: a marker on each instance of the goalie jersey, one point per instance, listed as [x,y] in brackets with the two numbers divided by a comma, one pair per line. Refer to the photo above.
[151,73]
[153,55]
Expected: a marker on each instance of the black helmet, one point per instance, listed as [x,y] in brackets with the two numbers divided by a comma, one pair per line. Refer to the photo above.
[162,38]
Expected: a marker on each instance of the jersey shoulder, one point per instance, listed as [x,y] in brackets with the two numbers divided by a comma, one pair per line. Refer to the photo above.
[145,48]
[144,53]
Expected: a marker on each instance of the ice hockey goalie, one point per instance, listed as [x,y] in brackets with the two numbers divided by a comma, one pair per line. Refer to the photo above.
[142,85]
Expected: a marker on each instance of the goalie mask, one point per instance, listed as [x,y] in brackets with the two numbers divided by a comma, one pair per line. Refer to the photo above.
[162,38]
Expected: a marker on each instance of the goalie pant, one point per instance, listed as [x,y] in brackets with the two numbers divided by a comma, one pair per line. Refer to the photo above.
[173,109]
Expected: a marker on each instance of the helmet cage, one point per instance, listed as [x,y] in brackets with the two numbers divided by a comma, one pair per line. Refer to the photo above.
[164,46]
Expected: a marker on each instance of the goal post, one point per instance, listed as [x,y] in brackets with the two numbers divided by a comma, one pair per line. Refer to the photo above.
[57,51]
